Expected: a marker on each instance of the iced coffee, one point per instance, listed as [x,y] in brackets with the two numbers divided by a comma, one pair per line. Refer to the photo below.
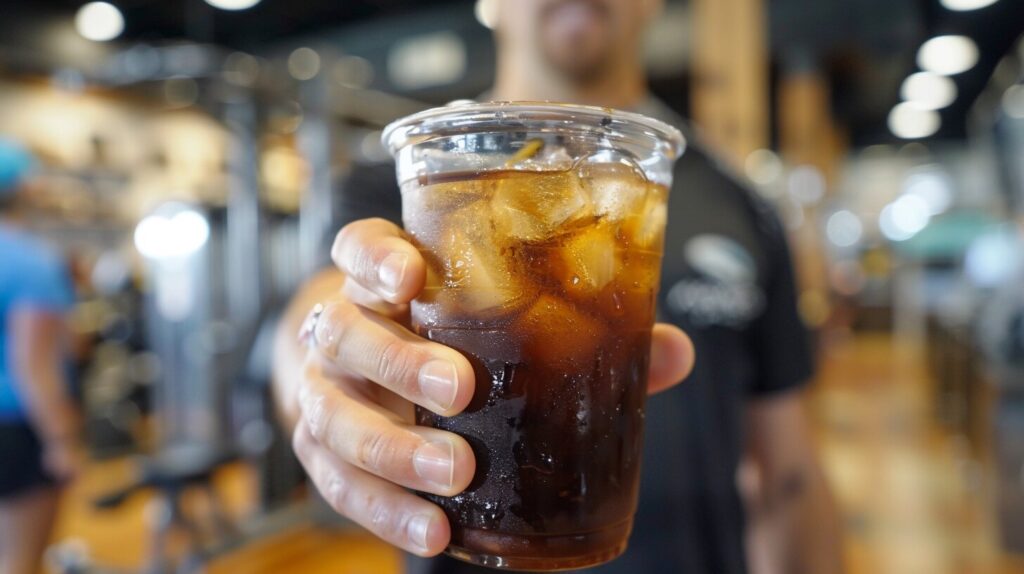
[543,267]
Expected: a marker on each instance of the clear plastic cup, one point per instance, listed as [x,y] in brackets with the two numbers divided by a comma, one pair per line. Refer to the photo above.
[542,226]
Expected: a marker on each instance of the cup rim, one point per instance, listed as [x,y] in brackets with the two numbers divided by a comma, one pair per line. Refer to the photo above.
[467,116]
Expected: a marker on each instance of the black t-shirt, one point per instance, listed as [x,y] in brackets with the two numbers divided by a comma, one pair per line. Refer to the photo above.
[727,279]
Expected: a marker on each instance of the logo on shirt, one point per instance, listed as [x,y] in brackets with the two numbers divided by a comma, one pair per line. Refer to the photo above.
[722,287]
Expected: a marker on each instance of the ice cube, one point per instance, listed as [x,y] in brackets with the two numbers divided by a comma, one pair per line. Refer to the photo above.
[559,335]
[538,156]
[438,199]
[645,230]
[474,265]
[589,258]
[616,189]
[533,206]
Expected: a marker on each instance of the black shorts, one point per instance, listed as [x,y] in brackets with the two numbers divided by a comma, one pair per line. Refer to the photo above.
[21,460]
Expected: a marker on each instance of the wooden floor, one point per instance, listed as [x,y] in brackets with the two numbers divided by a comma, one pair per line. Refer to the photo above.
[914,500]
[119,539]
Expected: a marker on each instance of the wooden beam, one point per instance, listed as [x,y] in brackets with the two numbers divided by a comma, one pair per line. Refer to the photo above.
[808,135]
[730,91]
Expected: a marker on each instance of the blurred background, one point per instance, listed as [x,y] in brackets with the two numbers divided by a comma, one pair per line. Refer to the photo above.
[172,136]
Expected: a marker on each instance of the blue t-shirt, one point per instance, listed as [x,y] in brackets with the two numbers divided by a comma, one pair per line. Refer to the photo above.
[32,276]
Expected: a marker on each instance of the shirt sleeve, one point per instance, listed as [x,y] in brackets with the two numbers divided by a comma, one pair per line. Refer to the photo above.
[46,286]
[780,342]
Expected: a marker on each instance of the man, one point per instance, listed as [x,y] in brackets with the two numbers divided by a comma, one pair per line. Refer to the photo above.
[727,280]
[38,424]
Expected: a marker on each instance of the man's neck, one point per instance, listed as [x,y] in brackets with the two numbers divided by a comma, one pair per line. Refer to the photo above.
[520,78]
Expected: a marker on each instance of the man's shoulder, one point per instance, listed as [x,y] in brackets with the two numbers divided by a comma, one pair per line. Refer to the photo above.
[707,179]
[701,169]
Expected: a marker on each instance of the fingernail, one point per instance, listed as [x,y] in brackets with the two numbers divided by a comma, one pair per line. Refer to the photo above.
[439,382]
[391,272]
[417,530]
[435,462]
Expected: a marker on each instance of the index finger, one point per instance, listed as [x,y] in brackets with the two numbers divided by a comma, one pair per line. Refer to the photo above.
[376,254]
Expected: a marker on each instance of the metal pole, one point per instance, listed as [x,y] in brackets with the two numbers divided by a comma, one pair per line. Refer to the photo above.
[314,139]
[244,269]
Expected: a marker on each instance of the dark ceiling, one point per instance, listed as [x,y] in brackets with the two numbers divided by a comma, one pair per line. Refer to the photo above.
[866,47]
[869,46]
[268,21]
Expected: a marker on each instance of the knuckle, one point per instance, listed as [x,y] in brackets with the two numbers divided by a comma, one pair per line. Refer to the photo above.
[335,325]
[301,443]
[387,520]
[320,412]
[380,513]
[361,245]
[338,493]
[310,370]
[343,237]
[340,314]
[375,450]
[354,253]
[363,262]
[399,362]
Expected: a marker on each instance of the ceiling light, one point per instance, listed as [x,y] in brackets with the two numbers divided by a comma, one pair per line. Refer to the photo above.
[99,21]
[948,55]
[908,121]
[425,61]
[160,236]
[233,4]
[966,5]
[928,91]
[486,12]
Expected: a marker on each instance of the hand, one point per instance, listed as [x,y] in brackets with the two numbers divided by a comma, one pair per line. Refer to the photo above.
[356,437]
[63,459]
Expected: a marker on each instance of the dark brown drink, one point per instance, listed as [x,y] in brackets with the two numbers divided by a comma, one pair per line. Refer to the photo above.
[546,281]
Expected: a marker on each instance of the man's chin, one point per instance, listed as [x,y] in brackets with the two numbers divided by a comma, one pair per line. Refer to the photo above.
[581,70]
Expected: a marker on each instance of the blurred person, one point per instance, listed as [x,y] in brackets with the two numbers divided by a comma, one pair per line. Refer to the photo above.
[38,422]
[727,280]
